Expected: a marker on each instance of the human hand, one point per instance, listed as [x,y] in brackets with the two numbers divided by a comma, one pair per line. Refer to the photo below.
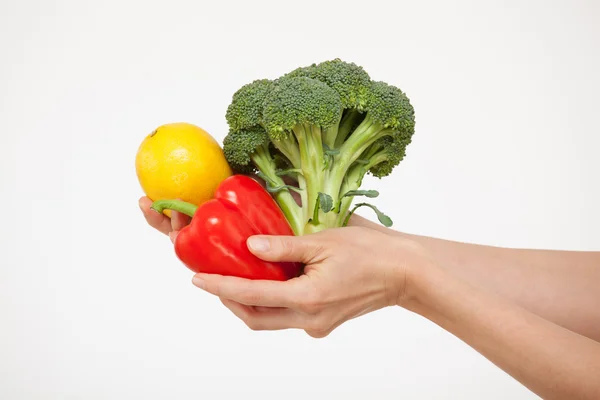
[172,226]
[162,223]
[349,272]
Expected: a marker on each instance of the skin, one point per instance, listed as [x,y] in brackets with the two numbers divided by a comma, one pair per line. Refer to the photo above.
[533,313]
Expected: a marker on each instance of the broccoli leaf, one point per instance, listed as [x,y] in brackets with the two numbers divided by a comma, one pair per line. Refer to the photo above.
[384,219]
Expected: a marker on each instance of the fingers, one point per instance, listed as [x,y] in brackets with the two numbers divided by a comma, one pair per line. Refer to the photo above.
[162,223]
[158,221]
[263,318]
[252,292]
[179,220]
[302,249]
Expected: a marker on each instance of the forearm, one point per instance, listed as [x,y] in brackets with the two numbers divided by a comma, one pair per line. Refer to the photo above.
[561,286]
[550,360]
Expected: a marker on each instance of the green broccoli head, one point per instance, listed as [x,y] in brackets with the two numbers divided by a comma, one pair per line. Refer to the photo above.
[350,81]
[324,125]
[245,110]
[306,72]
[390,107]
[241,145]
[390,122]
[391,151]
[299,100]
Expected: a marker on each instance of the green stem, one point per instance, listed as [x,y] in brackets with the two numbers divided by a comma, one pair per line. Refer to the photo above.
[368,132]
[372,150]
[311,158]
[330,134]
[289,149]
[357,148]
[289,172]
[365,134]
[377,159]
[304,216]
[290,209]
[183,207]
[315,218]
[284,198]
[312,228]
[353,181]
[350,119]
[300,134]
[333,182]
[349,215]
[384,219]
[301,137]
[316,144]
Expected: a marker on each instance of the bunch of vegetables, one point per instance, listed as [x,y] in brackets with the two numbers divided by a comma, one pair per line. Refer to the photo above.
[324,127]
[316,132]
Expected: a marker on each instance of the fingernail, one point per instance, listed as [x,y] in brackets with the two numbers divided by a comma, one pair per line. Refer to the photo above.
[199,282]
[258,244]
[173,235]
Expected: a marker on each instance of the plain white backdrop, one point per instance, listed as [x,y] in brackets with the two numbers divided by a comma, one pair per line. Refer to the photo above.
[94,304]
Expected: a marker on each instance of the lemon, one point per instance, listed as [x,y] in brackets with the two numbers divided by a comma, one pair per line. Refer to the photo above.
[180,161]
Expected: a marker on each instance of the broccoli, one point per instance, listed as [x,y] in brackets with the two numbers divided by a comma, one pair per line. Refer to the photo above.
[323,127]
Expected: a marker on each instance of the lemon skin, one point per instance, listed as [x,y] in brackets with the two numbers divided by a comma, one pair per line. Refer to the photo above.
[180,161]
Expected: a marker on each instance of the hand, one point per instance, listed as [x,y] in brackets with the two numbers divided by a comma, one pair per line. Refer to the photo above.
[171,226]
[162,223]
[349,272]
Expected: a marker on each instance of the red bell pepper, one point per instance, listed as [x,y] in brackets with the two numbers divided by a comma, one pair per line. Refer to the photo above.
[215,240]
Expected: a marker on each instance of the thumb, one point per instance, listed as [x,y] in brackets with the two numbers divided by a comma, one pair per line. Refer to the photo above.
[284,248]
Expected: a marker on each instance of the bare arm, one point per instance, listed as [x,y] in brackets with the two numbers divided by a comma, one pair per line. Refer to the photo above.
[552,361]
[560,286]
[354,271]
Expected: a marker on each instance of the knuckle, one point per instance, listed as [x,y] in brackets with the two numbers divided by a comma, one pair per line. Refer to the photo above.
[254,324]
[288,248]
[317,335]
[319,324]
[319,330]
[250,298]
[313,302]
[310,308]
[318,249]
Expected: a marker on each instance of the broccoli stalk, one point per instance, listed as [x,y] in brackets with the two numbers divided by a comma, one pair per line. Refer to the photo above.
[325,127]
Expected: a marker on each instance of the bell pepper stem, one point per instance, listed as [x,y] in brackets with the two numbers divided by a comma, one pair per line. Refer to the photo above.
[183,207]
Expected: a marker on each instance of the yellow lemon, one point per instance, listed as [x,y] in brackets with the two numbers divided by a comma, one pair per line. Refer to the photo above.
[180,161]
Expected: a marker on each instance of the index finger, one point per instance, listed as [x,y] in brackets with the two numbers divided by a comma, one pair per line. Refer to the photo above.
[250,292]
[160,222]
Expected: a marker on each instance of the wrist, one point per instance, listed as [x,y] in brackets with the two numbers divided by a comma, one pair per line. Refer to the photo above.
[417,272]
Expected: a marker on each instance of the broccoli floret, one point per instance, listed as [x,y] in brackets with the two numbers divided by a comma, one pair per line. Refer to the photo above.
[245,110]
[243,147]
[325,126]
[352,83]
[385,154]
[299,110]
[348,79]
[389,113]
[297,103]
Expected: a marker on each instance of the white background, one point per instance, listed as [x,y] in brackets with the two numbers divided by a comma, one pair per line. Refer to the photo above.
[94,304]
